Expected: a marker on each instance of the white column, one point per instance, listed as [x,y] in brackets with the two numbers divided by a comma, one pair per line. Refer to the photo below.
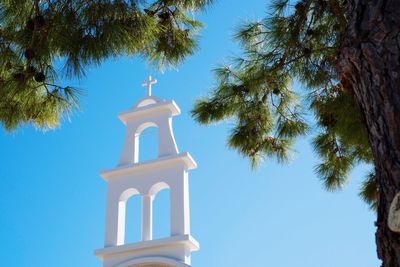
[130,150]
[121,223]
[112,214]
[136,148]
[166,141]
[147,217]
[180,217]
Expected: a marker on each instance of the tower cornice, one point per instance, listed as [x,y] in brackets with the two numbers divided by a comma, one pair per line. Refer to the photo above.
[163,162]
[159,107]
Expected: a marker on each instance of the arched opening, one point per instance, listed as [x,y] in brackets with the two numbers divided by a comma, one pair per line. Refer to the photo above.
[147,142]
[161,211]
[133,219]
[129,216]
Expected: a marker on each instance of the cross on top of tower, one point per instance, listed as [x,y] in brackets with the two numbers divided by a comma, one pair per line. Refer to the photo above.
[148,83]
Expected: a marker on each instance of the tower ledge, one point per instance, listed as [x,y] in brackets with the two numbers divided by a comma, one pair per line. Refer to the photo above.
[186,240]
[158,163]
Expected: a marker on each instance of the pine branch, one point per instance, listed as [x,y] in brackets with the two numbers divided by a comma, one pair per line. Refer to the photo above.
[33,34]
[300,42]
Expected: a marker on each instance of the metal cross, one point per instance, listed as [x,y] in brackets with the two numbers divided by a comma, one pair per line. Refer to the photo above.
[148,83]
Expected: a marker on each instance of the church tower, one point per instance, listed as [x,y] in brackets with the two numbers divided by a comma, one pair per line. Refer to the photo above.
[147,178]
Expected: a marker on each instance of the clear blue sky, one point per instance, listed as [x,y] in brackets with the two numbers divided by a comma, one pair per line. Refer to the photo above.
[52,201]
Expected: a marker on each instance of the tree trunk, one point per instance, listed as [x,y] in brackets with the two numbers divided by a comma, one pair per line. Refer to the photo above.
[369,66]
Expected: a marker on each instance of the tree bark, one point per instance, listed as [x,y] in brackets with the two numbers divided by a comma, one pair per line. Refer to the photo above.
[369,66]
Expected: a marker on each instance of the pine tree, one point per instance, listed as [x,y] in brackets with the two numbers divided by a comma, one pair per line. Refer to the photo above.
[346,55]
[43,41]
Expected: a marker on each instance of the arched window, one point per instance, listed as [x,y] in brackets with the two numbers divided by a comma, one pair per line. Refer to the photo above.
[133,219]
[147,143]
[129,216]
[161,211]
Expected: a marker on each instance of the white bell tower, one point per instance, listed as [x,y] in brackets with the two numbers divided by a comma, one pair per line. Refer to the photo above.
[131,177]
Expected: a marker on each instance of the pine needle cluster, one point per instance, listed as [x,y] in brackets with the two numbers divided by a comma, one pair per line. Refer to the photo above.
[35,34]
[300,41]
